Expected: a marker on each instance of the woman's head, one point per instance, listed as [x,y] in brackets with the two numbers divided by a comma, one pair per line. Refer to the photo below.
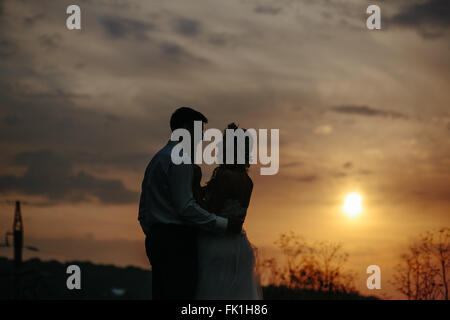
[237,148]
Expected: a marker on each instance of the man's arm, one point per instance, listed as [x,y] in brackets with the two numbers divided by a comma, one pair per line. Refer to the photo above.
[180,185]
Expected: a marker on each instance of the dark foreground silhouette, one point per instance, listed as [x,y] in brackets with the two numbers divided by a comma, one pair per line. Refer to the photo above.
[47,280]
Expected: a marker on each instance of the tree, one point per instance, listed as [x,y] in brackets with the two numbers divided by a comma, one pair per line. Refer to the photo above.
[423,271]
[317,266]
[437,244]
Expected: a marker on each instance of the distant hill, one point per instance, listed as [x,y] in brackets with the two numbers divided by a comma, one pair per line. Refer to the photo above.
[284,293]
[47,280]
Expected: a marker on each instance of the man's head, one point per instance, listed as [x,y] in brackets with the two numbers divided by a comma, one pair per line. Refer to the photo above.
[184,118]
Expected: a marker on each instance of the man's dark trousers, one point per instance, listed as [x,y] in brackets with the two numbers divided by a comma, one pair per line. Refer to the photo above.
[172,252]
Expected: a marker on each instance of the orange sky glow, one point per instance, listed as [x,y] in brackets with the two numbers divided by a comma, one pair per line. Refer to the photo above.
[82,113]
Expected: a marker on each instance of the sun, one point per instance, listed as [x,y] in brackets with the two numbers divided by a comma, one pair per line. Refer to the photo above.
[352,204]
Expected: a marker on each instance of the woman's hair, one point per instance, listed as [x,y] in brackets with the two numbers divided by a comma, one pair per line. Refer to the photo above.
[233,166]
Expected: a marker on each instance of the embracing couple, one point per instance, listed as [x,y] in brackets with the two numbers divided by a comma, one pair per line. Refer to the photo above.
[194,237]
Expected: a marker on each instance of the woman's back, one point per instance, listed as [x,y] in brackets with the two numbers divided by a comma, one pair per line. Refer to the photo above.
[229,189]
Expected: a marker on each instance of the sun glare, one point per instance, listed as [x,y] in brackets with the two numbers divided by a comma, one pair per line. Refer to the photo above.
[352,204]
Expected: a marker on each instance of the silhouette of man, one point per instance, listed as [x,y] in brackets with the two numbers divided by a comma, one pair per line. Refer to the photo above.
[169,216]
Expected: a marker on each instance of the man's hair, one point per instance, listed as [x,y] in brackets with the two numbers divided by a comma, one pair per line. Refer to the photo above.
[185,115]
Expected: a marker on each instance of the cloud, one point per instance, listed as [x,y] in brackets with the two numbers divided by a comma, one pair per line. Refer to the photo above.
[269,10]
[11,120]
[85,135]
[429,18]
[30,21]
[370,112]
[134,161]
[432,193]
[292,164]
[173,50]
[175,54]
[323,130]
[258,76]
[307,178]
[347,165]
[50,41]
[221,39]
[119,28]
[187,27]
[339,174]
[7,48]
[53,177]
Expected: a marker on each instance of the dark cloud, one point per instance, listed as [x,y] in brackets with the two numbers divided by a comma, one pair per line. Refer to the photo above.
[7,48]
[347,165]
[220,39]
[172,49]
[50,41]
[90,137]
[368,111]
[119,28]
[11,120]
[173,53]
[30,21]
[429,18]
[53,177]
[187,27]
[128,161]
[267,10]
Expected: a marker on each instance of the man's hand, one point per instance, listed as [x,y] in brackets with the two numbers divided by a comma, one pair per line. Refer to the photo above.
[235,224]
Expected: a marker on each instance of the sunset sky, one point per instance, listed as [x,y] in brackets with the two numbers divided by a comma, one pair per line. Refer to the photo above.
[83,111]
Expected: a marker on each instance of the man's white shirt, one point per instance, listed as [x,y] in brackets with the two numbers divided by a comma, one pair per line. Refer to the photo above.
[167,196]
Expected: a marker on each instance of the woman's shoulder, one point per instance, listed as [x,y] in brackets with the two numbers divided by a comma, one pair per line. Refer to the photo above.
[238,183]
[236,175]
